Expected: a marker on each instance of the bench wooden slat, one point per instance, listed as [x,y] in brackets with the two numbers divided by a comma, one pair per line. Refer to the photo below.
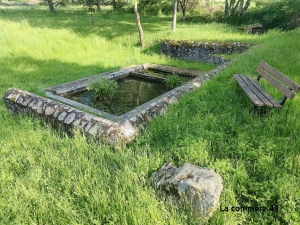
[247,90]
[256,91]
[291,84]
[284,90]
[259,91]
[264,96]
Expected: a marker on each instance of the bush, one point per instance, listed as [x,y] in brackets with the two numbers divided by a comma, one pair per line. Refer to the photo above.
[118,5]
[273,14]
[203,13]
[167,8]
[150,7]
[102,88]
[173,81]
[62,3]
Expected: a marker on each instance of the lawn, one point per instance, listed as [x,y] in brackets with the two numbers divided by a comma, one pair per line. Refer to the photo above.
[47,177]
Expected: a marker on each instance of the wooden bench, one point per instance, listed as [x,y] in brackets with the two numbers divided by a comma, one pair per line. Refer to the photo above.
[258,95]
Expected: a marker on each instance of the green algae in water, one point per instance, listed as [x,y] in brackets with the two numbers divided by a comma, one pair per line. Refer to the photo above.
[131,93]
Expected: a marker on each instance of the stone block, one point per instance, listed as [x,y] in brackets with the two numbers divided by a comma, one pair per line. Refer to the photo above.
[70,118]
[88,127]
[49,111]
[199,187]
[62,116]
[94,130]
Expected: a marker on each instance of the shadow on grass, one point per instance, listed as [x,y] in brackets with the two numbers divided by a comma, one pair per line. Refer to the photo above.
[32,75]
[107,24]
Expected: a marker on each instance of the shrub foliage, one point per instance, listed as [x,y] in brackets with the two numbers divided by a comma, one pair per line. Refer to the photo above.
[274,14]
[102,88]
[173,81]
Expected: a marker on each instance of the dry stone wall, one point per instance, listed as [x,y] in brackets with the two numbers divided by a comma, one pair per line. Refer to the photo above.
[201,51]
[67,117]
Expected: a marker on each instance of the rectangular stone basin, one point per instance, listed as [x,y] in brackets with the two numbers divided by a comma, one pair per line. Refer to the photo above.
[133,91]
[108,126]
[136,86]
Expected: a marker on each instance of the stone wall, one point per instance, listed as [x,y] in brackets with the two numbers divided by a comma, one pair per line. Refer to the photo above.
[67,117]
[124,130]
[201,51]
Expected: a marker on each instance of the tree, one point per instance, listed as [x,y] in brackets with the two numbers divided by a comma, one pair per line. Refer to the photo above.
[91,6]
[51,7]
[118,4]
[174,16]
[98,5]
[239,7]
[138,23]
[184,6]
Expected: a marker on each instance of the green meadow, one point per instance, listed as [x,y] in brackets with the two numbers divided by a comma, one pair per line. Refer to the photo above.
[47,177]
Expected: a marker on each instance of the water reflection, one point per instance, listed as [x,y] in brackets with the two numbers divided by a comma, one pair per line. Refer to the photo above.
[131,93]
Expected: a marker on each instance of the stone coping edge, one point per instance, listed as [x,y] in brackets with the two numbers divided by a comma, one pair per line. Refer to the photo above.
[207,44]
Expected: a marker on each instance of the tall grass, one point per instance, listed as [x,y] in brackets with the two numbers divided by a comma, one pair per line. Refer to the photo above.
[49,178]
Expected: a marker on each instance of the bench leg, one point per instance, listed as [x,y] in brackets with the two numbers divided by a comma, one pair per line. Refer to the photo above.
[282,101]
[260,111]
[254,109]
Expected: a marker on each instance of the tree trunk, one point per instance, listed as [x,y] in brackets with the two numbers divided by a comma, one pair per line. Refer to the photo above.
[241,8]
[98,6]
[226,7]
[138,24]
[174,16]
[233,10]
[92,18]
[183,4]
[238,6]
[113,2]
[247,5]
[183,15]
[231,4]
[51,7]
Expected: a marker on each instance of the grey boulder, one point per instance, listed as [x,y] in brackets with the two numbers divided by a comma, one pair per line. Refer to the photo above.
[200,187]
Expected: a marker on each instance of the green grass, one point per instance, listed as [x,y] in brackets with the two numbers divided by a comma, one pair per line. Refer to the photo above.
[49,178]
